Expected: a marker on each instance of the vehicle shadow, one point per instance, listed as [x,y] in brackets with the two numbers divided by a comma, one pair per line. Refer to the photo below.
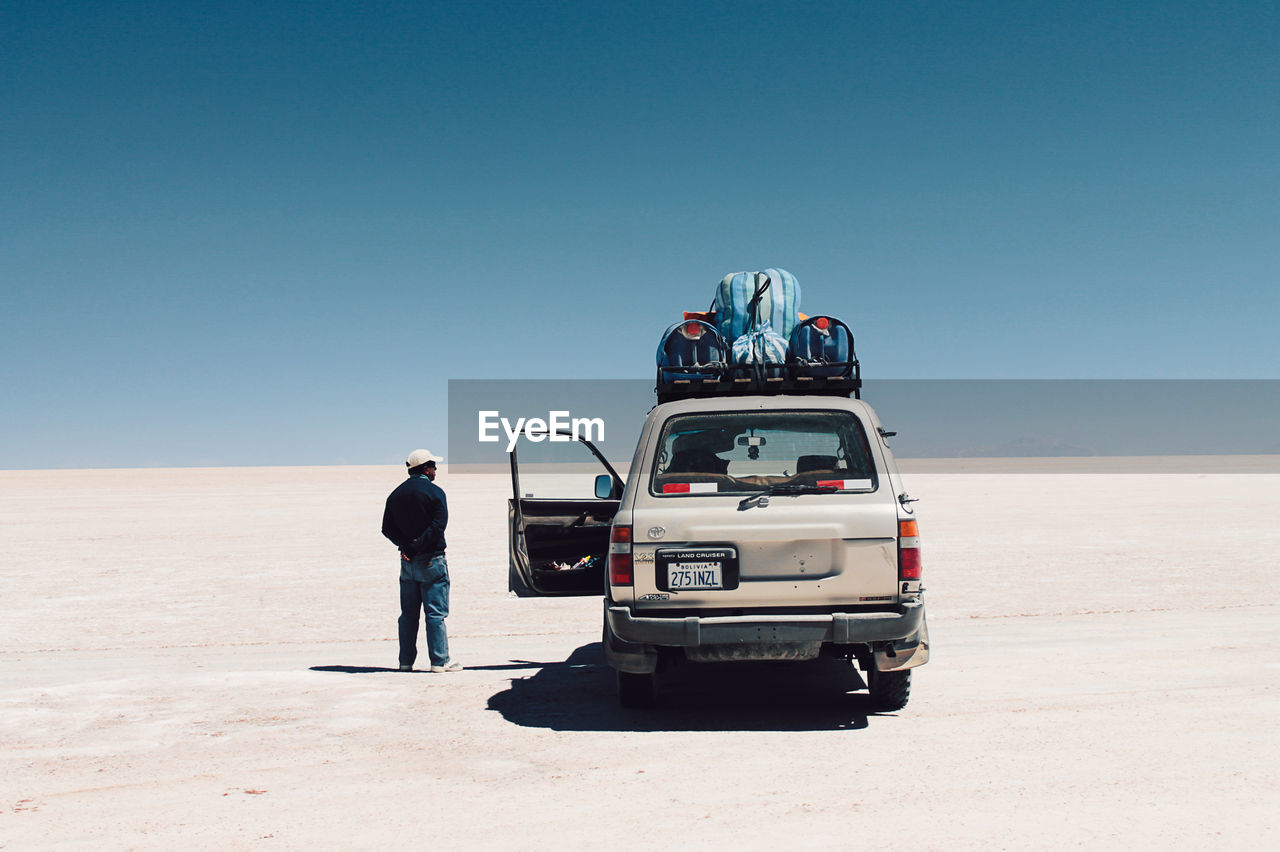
[580,694]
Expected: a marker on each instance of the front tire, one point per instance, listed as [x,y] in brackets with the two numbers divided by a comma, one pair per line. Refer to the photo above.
[635,690]
[889,690]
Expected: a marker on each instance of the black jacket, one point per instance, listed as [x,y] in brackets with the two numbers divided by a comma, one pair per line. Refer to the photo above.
[415,518]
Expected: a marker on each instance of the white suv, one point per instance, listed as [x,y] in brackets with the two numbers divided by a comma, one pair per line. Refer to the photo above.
[770,527]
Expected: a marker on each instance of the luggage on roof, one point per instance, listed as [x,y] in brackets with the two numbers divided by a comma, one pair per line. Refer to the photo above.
[822,346]
[691,349]
[745,300]
[762,346]
[755,341]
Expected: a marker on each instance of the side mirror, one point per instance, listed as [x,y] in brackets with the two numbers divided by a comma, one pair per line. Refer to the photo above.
[606,488]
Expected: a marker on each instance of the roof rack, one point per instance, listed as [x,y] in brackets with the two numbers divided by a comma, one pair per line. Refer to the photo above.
[758,379]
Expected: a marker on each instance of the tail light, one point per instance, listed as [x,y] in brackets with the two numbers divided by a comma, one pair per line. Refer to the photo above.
[909,564]
[692,330]
[620,556]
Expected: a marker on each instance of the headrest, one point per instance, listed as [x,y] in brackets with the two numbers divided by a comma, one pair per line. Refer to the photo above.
[804,464]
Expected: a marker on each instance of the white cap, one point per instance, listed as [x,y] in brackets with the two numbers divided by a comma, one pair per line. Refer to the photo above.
[421,457]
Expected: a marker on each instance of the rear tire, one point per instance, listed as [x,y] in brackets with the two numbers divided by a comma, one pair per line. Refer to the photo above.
[889,690]
[635,690]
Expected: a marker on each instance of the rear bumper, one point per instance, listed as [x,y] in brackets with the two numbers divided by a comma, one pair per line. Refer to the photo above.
[838,628]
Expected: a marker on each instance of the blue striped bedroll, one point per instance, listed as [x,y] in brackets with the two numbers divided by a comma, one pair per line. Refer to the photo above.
[779,306]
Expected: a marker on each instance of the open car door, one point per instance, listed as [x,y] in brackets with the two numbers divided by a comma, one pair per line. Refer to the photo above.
[559,528]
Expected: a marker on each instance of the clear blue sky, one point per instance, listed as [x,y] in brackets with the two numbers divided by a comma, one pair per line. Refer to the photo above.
[269,233]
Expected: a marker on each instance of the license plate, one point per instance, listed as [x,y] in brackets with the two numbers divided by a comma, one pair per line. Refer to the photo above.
[695,575]
[697,568]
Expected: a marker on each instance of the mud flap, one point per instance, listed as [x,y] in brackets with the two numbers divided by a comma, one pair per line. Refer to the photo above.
[907,653]
[627,656]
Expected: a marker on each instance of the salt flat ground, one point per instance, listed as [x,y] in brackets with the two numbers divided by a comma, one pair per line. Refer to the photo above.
[206,657]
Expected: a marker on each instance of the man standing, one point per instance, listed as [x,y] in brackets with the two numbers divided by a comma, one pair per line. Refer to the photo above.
[414,520]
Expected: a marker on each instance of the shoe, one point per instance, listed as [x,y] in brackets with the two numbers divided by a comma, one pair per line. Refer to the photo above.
[449,666]
[406,668]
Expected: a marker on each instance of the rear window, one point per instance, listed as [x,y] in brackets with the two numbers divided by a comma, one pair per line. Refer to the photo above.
[745,451]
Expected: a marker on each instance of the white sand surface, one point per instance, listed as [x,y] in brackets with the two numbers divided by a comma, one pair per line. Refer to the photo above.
[206,658]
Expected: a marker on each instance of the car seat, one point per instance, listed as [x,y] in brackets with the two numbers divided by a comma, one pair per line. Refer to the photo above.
[807,464]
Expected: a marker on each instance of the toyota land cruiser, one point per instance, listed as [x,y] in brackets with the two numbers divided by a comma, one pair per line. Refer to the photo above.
[750,527]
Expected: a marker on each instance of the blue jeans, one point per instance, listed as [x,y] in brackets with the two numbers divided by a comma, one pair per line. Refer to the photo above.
[425,587]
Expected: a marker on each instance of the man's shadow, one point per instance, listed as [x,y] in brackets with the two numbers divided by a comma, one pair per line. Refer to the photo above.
[580,694]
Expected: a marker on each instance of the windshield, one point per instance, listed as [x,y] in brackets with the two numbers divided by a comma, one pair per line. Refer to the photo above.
[747,451]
